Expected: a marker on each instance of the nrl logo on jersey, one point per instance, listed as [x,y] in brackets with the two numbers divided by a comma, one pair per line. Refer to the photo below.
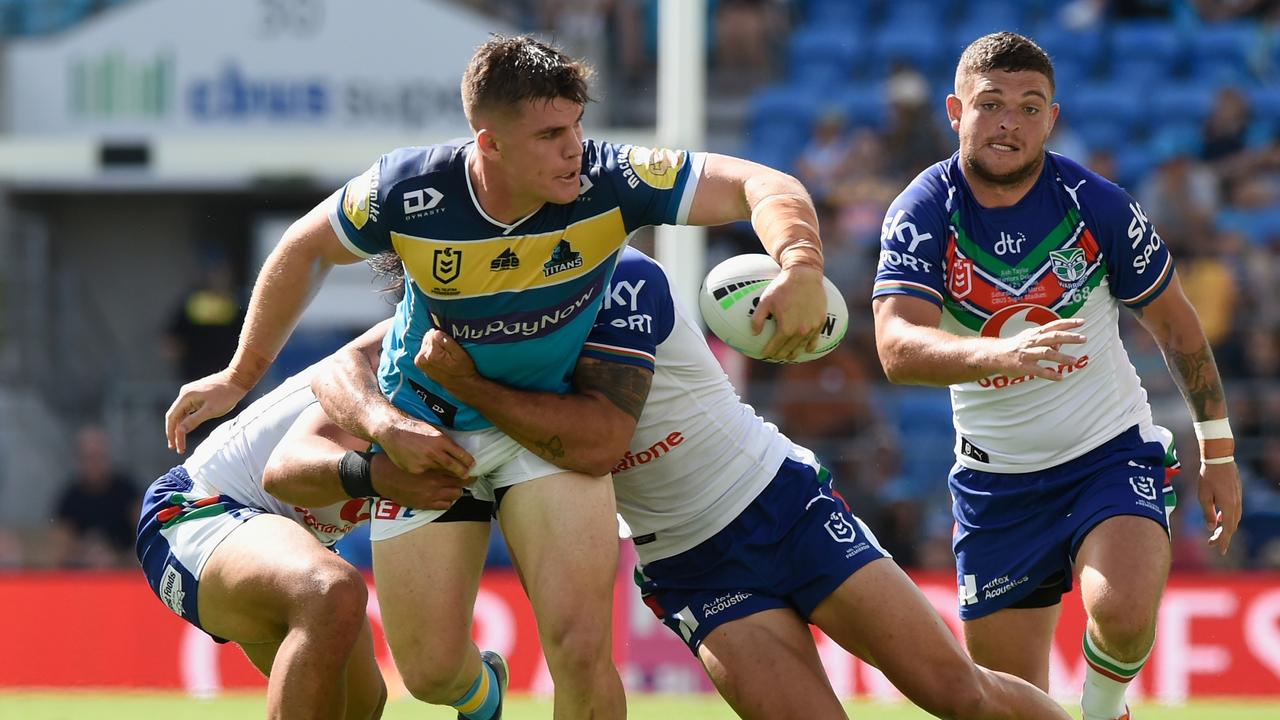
[446,265]
[1069,265]
[960,277]
[564,257]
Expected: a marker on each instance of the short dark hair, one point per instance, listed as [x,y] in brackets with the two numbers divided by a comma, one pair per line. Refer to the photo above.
[1005,51]
[506,71]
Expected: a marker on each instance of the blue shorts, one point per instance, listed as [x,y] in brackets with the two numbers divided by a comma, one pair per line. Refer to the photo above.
[790,548]
[1017,534]
[177,533]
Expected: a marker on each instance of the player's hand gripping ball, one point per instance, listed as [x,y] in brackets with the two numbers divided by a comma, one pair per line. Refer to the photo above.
[729,297]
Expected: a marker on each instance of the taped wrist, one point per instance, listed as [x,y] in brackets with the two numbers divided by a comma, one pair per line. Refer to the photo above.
[355,470]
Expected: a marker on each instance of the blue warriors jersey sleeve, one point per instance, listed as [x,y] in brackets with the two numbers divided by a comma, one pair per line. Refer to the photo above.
[912,240]
[652,186]
[637,315]
[1139,265]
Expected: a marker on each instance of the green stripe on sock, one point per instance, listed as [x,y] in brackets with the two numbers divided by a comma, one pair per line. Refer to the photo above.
[1124,670]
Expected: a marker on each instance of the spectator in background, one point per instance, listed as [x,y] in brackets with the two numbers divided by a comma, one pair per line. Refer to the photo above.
[1181,196]
[97,511]
[746,34]
[205,326]
[825,159]
[914,139]
[1103,162]
[1226,129]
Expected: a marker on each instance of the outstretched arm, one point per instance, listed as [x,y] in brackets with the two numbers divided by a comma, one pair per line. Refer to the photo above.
[346,384]
[587,430]
[1173,322]
[782,213]
[288,279]
[914,351]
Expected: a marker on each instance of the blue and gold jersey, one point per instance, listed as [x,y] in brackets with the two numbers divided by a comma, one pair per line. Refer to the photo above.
[521,298]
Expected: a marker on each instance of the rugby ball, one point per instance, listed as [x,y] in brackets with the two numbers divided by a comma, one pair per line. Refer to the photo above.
[728,300]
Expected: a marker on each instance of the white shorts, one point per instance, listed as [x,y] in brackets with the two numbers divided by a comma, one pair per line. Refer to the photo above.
[500,462]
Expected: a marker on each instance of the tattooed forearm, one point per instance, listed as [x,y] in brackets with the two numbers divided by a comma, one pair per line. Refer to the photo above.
[1197,375]
[550,449]
[626,386]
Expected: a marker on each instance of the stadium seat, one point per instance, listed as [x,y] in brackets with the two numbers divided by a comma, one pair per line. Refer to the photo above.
[1139,71]
[996,14]
[1189,102]
[42,18]
[1115,102]
[1224,45]
[1266,103]
[864,105]
[1082,49]
[1133,162]
[920,47]
[1099,134]
[840,14]
[919,13]
[778,124]
[823,57]
[1158,42]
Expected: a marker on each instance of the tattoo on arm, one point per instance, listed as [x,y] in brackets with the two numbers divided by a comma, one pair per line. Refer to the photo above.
[1198,375]
[626,386]
[552,448]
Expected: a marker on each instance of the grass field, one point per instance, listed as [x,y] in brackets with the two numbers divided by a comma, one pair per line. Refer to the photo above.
[94,706]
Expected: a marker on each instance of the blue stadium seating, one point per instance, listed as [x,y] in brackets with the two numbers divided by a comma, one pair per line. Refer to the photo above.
[1080,49]
[823,57]
[1157,41]
[1223,46]
[921,47]
[1099,134]
[1114,101]
[1182,102]
[864,105]
[840,14]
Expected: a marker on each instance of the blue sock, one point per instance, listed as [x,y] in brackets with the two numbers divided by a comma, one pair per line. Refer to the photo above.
[481,701]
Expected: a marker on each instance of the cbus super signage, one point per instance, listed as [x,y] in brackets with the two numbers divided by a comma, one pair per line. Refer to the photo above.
[190,66]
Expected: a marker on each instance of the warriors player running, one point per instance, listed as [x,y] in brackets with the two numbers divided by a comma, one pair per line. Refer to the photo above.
[1002,272]
[243,565]
[741,539]
[508,242]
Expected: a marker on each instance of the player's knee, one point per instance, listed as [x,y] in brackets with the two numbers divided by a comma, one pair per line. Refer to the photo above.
[1126,629]
[435,681]
[334,595]
[955,693]
[577,650]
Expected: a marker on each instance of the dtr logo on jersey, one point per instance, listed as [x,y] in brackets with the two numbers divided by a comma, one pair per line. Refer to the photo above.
[1014,319]
[960,277]
[446,264]
[1069,265]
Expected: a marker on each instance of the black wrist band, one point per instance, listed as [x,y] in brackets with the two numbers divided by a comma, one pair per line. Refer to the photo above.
[355,470]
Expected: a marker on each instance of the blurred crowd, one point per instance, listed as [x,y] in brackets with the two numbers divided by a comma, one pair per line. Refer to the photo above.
[1212,190]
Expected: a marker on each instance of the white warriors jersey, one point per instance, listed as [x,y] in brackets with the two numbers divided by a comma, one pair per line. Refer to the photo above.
[699,456]
[232,459]
[1076,246]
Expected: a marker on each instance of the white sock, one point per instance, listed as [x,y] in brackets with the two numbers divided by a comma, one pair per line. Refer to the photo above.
[1106,680]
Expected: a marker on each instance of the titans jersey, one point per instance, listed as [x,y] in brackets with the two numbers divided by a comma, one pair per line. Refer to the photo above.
[231,460]
[699,456]
[520,298]
[1076,246]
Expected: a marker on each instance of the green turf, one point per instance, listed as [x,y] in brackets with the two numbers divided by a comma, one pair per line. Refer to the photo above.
[108,706]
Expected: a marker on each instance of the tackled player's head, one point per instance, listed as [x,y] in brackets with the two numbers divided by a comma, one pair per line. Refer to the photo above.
[1003,108]
[525,100]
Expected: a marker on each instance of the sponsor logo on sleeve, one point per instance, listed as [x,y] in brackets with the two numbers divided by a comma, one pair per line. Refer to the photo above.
[656,167]
[360,198]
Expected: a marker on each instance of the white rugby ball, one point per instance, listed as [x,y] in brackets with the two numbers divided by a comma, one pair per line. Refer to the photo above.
[728,300]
